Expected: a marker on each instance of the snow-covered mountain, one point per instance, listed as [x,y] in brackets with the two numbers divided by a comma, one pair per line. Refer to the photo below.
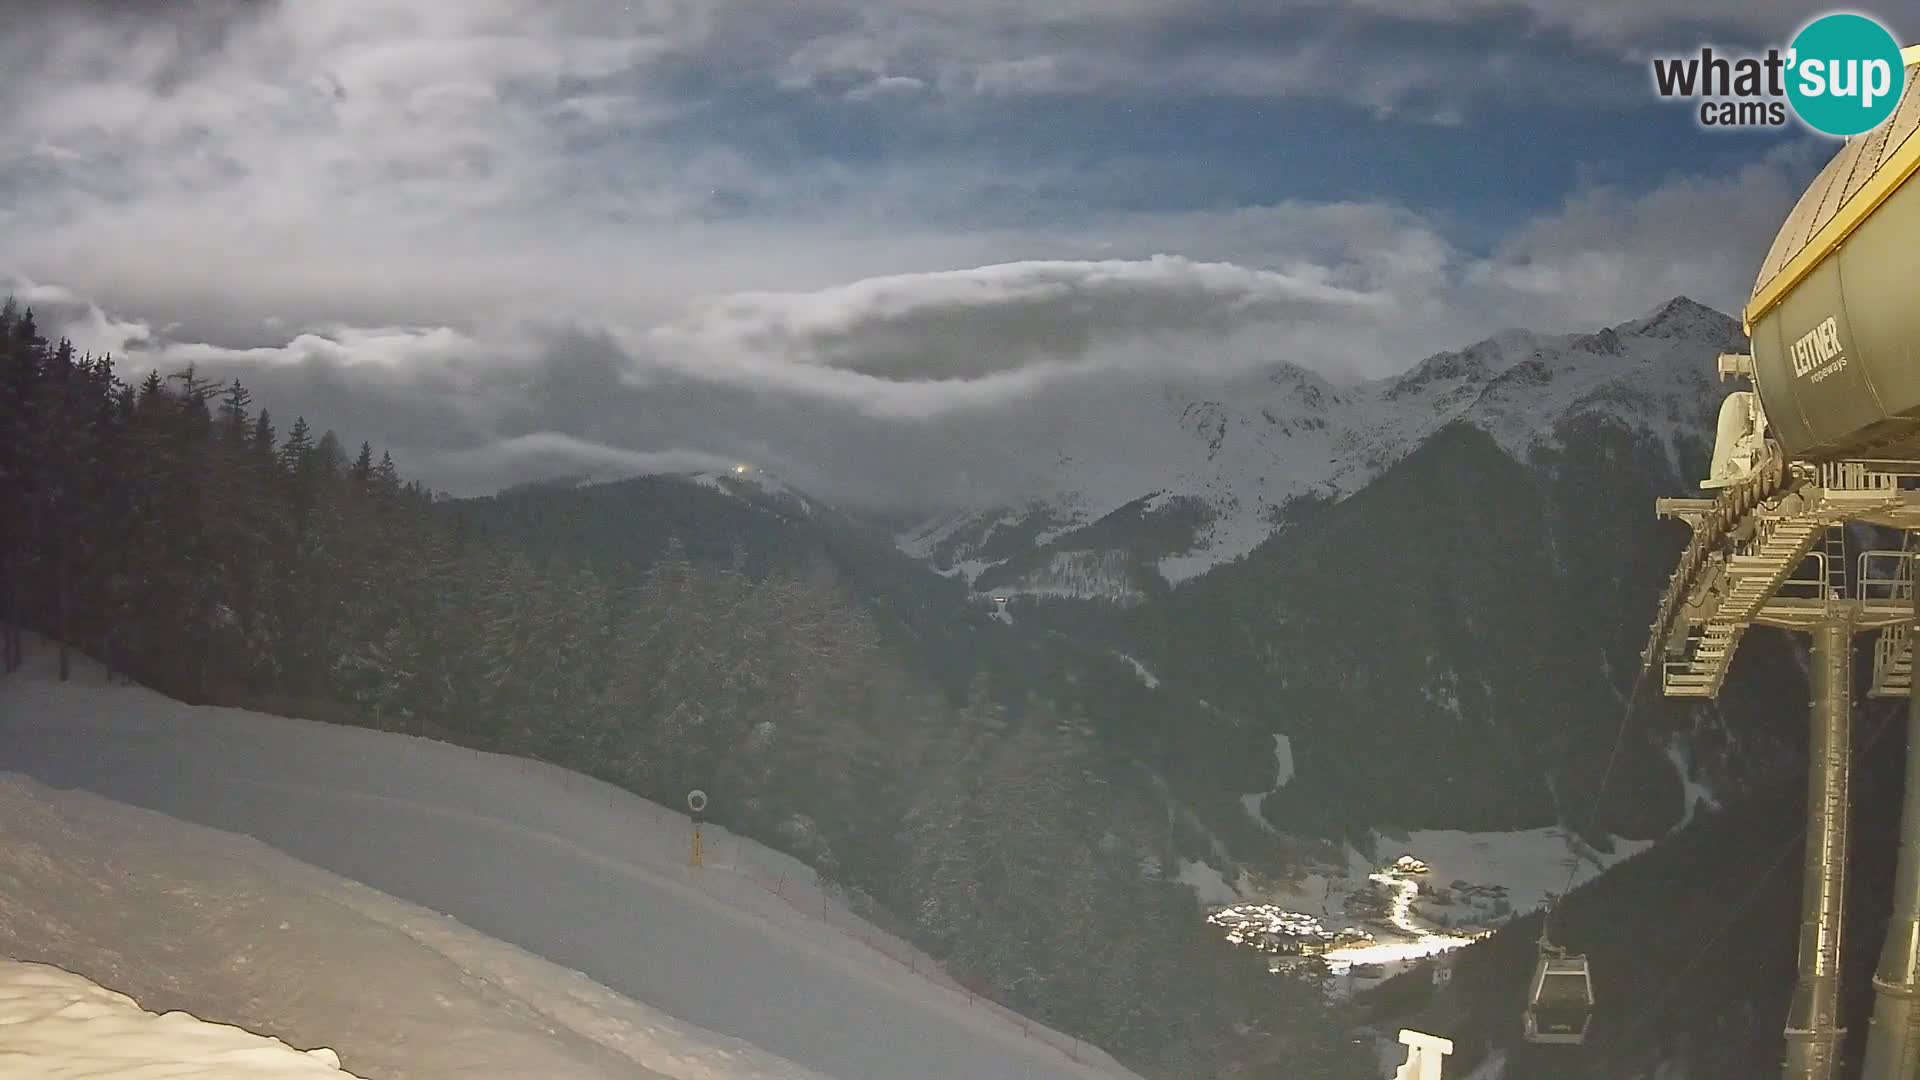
[1232,466]
[752,483]
[744,481]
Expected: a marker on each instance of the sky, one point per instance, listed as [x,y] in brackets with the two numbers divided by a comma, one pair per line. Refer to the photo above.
[844,240]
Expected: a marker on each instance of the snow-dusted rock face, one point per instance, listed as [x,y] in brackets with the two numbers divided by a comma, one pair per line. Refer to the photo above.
[1229,466]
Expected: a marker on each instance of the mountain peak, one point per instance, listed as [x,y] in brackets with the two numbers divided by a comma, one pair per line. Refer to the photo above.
[1473,365]
[1244,453]
[1681,316]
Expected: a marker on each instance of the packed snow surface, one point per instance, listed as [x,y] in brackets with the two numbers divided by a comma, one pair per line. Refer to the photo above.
[55,1025]
[570,873]
[222,926]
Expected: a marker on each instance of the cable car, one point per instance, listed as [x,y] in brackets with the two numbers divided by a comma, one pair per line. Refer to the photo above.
[1560,1000]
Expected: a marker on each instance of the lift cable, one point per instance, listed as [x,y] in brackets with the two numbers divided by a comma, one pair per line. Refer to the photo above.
[1658,1001]
[1599,795]
[1649,658]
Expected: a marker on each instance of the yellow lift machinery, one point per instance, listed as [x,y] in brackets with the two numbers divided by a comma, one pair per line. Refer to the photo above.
[1829,434]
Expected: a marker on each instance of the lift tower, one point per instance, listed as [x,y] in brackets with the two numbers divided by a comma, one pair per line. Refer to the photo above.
[1785,564]
[1829,434]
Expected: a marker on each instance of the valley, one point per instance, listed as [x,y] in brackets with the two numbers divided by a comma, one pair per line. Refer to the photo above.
[1414,648]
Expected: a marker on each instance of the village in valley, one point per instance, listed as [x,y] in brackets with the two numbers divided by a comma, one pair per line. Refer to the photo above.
[1367,929]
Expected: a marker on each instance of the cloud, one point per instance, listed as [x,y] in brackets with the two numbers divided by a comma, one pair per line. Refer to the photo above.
[80,320]
[862,243]
[381,161]
[966,324]
[1623,23]
[886,86]
[542,454]
[963,385]
[1613,251]
[1432,59]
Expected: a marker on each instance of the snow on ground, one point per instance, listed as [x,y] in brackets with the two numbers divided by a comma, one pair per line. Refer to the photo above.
[56,1025]
[1529,864]
[579,873]
[1283,772]
[745,478]
[1252,802]
[222,926]
[1501,875]
[1284,433]
[1321,893]
[1282,761]
[1361,949]
[969,570]
[1082,575]
[1647,374]
[921,540]
[1228,537]
[1209,885]
[1692,791]
[1420,940]
[1147,678]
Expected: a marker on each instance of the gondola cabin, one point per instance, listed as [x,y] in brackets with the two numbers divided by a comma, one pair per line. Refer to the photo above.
[1560,1003]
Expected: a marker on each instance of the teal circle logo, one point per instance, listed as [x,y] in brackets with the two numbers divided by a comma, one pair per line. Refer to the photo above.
[1844,74]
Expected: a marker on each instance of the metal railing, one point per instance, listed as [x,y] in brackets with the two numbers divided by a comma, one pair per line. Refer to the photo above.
[1884,574]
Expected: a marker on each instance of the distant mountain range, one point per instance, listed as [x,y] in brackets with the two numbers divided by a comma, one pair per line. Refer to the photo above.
[1242,461]
[1434,588]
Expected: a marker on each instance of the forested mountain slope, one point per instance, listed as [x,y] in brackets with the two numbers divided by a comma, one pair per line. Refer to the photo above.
[170,529]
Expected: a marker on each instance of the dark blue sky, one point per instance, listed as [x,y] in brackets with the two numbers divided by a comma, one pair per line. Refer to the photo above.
[1069,157]
[1479,120]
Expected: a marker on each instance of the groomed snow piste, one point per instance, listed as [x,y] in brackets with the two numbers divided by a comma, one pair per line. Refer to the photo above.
[613,957]
[221,926]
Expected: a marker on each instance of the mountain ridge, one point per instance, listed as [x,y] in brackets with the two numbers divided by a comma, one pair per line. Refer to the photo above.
[1266,446]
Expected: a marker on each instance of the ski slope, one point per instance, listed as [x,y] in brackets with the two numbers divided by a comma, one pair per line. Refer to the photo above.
[55,1025]
[579,873]
[183,917]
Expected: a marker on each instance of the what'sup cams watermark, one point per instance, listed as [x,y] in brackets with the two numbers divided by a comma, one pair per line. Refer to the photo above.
[1841,75]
